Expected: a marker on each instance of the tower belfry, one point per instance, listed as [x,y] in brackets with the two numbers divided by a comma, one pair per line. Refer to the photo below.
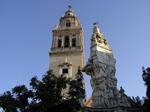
[67,50]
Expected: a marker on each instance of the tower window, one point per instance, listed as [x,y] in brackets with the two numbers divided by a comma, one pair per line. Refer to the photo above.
[59,43]
[65,71]
[68,24]
[66,41]
[105,42]
[74,42]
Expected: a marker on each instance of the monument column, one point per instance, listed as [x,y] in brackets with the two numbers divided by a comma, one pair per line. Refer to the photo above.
[101,68]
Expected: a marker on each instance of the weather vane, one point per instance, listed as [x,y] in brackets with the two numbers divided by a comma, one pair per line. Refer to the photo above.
[69,7]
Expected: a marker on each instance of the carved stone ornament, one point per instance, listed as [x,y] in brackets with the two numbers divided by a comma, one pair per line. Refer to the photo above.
[101,68]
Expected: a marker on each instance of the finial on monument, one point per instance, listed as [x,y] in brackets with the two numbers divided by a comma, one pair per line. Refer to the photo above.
[96,23]
[56,26]
[96,28]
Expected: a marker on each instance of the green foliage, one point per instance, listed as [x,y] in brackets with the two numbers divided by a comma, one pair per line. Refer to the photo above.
[75,90]
[146,78]
[22,94]
[7,102]
[44,96]
[135,101]
[146,73]
[146,105]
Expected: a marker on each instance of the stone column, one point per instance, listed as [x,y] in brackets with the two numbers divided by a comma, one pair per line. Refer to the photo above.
[70,41]
[60,70]
[70,71]
[101,67]
[78,40]
[56,41]
[62,41]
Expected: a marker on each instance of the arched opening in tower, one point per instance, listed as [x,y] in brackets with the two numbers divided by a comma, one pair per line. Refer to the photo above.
[66,41]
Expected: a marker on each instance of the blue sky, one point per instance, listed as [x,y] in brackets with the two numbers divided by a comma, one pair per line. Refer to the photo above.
[26,35]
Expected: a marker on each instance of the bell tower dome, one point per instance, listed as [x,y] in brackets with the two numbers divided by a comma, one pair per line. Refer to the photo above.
[67,50]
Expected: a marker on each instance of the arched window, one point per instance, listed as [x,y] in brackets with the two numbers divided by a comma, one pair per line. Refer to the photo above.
[68,24]
[105,42]
[74,42]
[59,43]
[65,71]
[66,41]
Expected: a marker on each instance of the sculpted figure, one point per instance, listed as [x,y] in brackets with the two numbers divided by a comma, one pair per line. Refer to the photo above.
[89,68]
[123,98]
[95,28]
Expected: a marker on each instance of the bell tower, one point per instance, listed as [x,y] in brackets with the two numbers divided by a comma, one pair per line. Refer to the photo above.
[67,50]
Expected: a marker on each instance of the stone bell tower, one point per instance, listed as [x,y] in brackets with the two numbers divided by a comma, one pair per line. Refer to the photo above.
[67,50]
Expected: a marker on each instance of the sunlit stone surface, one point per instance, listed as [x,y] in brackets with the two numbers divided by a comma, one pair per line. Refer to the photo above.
[101,68]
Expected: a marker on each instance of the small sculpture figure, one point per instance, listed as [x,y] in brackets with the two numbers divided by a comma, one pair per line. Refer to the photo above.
[56,26]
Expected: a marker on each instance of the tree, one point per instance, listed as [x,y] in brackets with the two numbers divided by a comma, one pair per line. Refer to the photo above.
[146,78]
[45,95]
[135,101]
[22,94]
[7,102]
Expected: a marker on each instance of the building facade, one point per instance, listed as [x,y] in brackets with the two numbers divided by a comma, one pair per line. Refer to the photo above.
[67,50]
